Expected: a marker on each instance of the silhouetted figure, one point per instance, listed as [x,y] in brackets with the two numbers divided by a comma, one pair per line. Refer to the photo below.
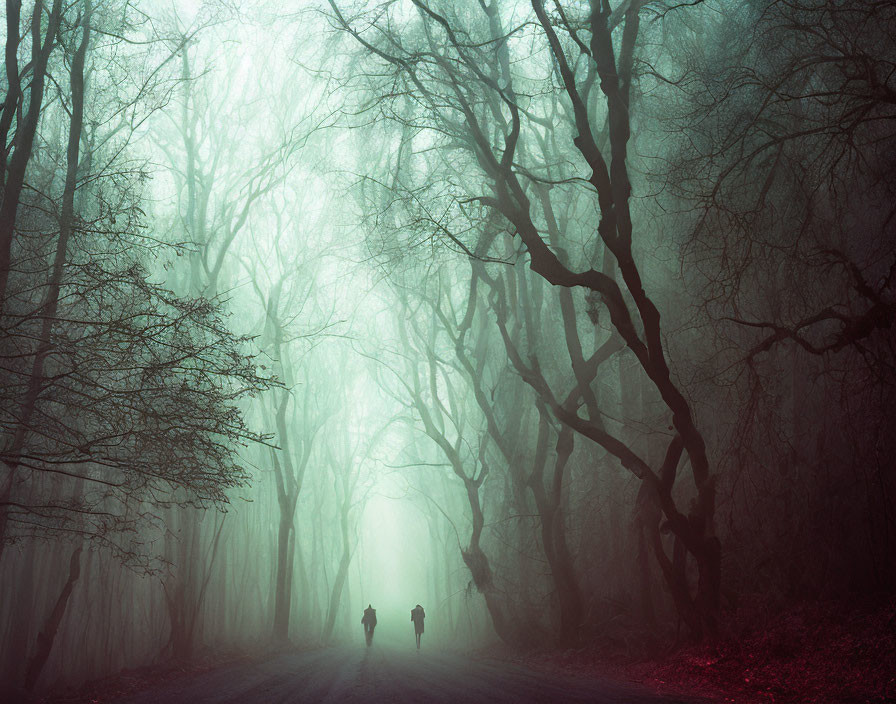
[417,616]
[369,621]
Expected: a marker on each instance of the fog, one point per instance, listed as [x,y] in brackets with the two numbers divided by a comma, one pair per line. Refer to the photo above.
[570,322]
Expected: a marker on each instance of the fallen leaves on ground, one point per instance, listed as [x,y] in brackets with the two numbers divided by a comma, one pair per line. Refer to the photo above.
[821,653]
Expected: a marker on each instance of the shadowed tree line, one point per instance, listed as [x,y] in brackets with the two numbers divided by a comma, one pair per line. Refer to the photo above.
[585,146]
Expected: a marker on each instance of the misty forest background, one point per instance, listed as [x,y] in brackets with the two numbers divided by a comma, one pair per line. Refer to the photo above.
[569,321]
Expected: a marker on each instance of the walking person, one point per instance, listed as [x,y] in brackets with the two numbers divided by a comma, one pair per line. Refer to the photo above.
[369,621]
[417,616]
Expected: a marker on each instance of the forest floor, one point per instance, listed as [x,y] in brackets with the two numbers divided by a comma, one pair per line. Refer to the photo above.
[813,654]
[383,673]
[132,681]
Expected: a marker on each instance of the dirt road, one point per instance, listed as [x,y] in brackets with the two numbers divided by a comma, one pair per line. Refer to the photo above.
[386,674]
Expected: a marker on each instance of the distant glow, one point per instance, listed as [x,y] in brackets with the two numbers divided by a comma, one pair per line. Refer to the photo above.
[394,565]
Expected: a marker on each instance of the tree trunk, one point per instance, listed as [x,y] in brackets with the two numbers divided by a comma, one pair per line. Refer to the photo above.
[645,584]
[182,589]
[51,626]
[548,503]
[341,572]
[480,570]
[25,132]
[283,587]
[304,604]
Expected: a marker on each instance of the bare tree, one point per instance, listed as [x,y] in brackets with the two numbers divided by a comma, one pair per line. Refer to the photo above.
[477,102]
[17,152]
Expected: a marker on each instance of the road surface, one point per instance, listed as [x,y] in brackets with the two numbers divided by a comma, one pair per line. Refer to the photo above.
[387,674]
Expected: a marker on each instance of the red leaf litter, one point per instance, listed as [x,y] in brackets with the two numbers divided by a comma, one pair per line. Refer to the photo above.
[811,654]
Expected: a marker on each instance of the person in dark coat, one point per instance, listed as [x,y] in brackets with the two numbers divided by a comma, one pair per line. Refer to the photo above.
[369,621]
[417,616]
